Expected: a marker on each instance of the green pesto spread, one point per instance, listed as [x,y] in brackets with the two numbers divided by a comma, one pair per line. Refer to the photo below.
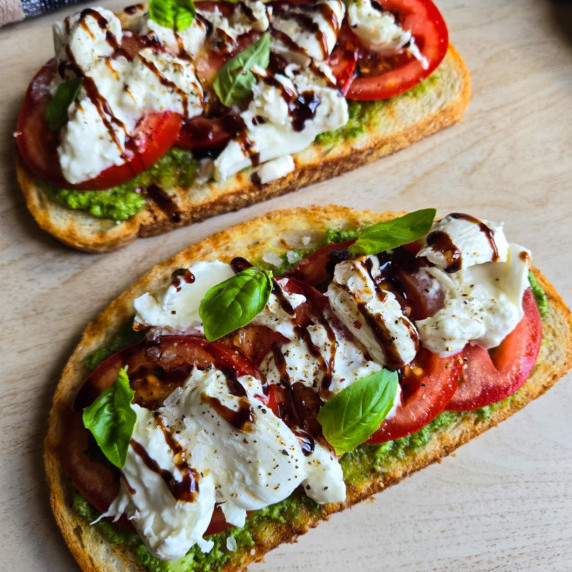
[176,168]
[539,295]
[364,114]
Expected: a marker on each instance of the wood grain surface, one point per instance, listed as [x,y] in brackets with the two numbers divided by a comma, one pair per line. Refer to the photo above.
[504,502]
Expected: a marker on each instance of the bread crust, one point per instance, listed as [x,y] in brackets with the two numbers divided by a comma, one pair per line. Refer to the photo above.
[253,239]
[406,119]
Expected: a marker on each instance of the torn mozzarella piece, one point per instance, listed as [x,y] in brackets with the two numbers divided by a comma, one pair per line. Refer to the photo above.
[307,31]
[379,31]
[247,16]
[374,316]
[286,114]
[459,241]
[319,358]
[177,308]
[88,35]
[483,304]
[189,40]
[279,313]
[168,525]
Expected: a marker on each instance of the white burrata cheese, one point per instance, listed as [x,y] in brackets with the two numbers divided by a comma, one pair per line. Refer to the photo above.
[467,241]
[89,35]
[199,417]
[483,304]
[272,128]
[374,316]
[247,16]
[189,40]
[116,94]
[276,169]
[167,526]
[378,30]
[275,316]
[177,308]
[307,31]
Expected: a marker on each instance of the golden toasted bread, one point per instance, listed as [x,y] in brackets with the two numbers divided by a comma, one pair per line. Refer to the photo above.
[367,470]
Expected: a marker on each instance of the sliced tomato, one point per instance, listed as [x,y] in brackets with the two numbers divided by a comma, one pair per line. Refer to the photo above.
[254,342]
[96,482]
[209,133]
[152,138]
[426,389]
[489,377]
[343,59]
[317,267]
[157,367]
[380,77]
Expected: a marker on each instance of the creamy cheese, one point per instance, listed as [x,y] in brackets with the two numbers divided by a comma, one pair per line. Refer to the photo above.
[302,32]
[276,169]
[459,241]
[208,423]
[189,40]
[483,304]
[249,15]
[177,308]
[374,316]
[284,117]
[275,316]
[169,527]
[116,93]
[378,30]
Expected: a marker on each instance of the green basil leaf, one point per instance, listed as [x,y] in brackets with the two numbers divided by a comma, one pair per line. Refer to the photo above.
[393,233]
[175,14]
[56,113]
[235,302]
[350,417]
[233,83]
[111,419]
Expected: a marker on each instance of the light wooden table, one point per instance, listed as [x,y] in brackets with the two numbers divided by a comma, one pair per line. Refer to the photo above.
[505,501]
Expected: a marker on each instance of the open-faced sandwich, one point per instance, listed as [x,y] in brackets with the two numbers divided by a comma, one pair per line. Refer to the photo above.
[287,368]
[165,114]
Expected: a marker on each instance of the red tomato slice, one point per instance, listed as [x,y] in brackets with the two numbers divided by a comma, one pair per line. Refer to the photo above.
[382,77]
[343,59]
[157,367]
[208,133]
[96,482]
[488,378]
[153,137]
[317,268]
[423,396]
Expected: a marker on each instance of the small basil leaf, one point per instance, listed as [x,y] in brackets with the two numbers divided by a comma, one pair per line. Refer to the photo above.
[56,113]
[235,302]
[175,14]
[350,417]
[233,83]
[393,233]
[111,419]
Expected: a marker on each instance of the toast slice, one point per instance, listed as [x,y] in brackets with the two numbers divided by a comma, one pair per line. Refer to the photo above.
[367,470]
[390,125]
